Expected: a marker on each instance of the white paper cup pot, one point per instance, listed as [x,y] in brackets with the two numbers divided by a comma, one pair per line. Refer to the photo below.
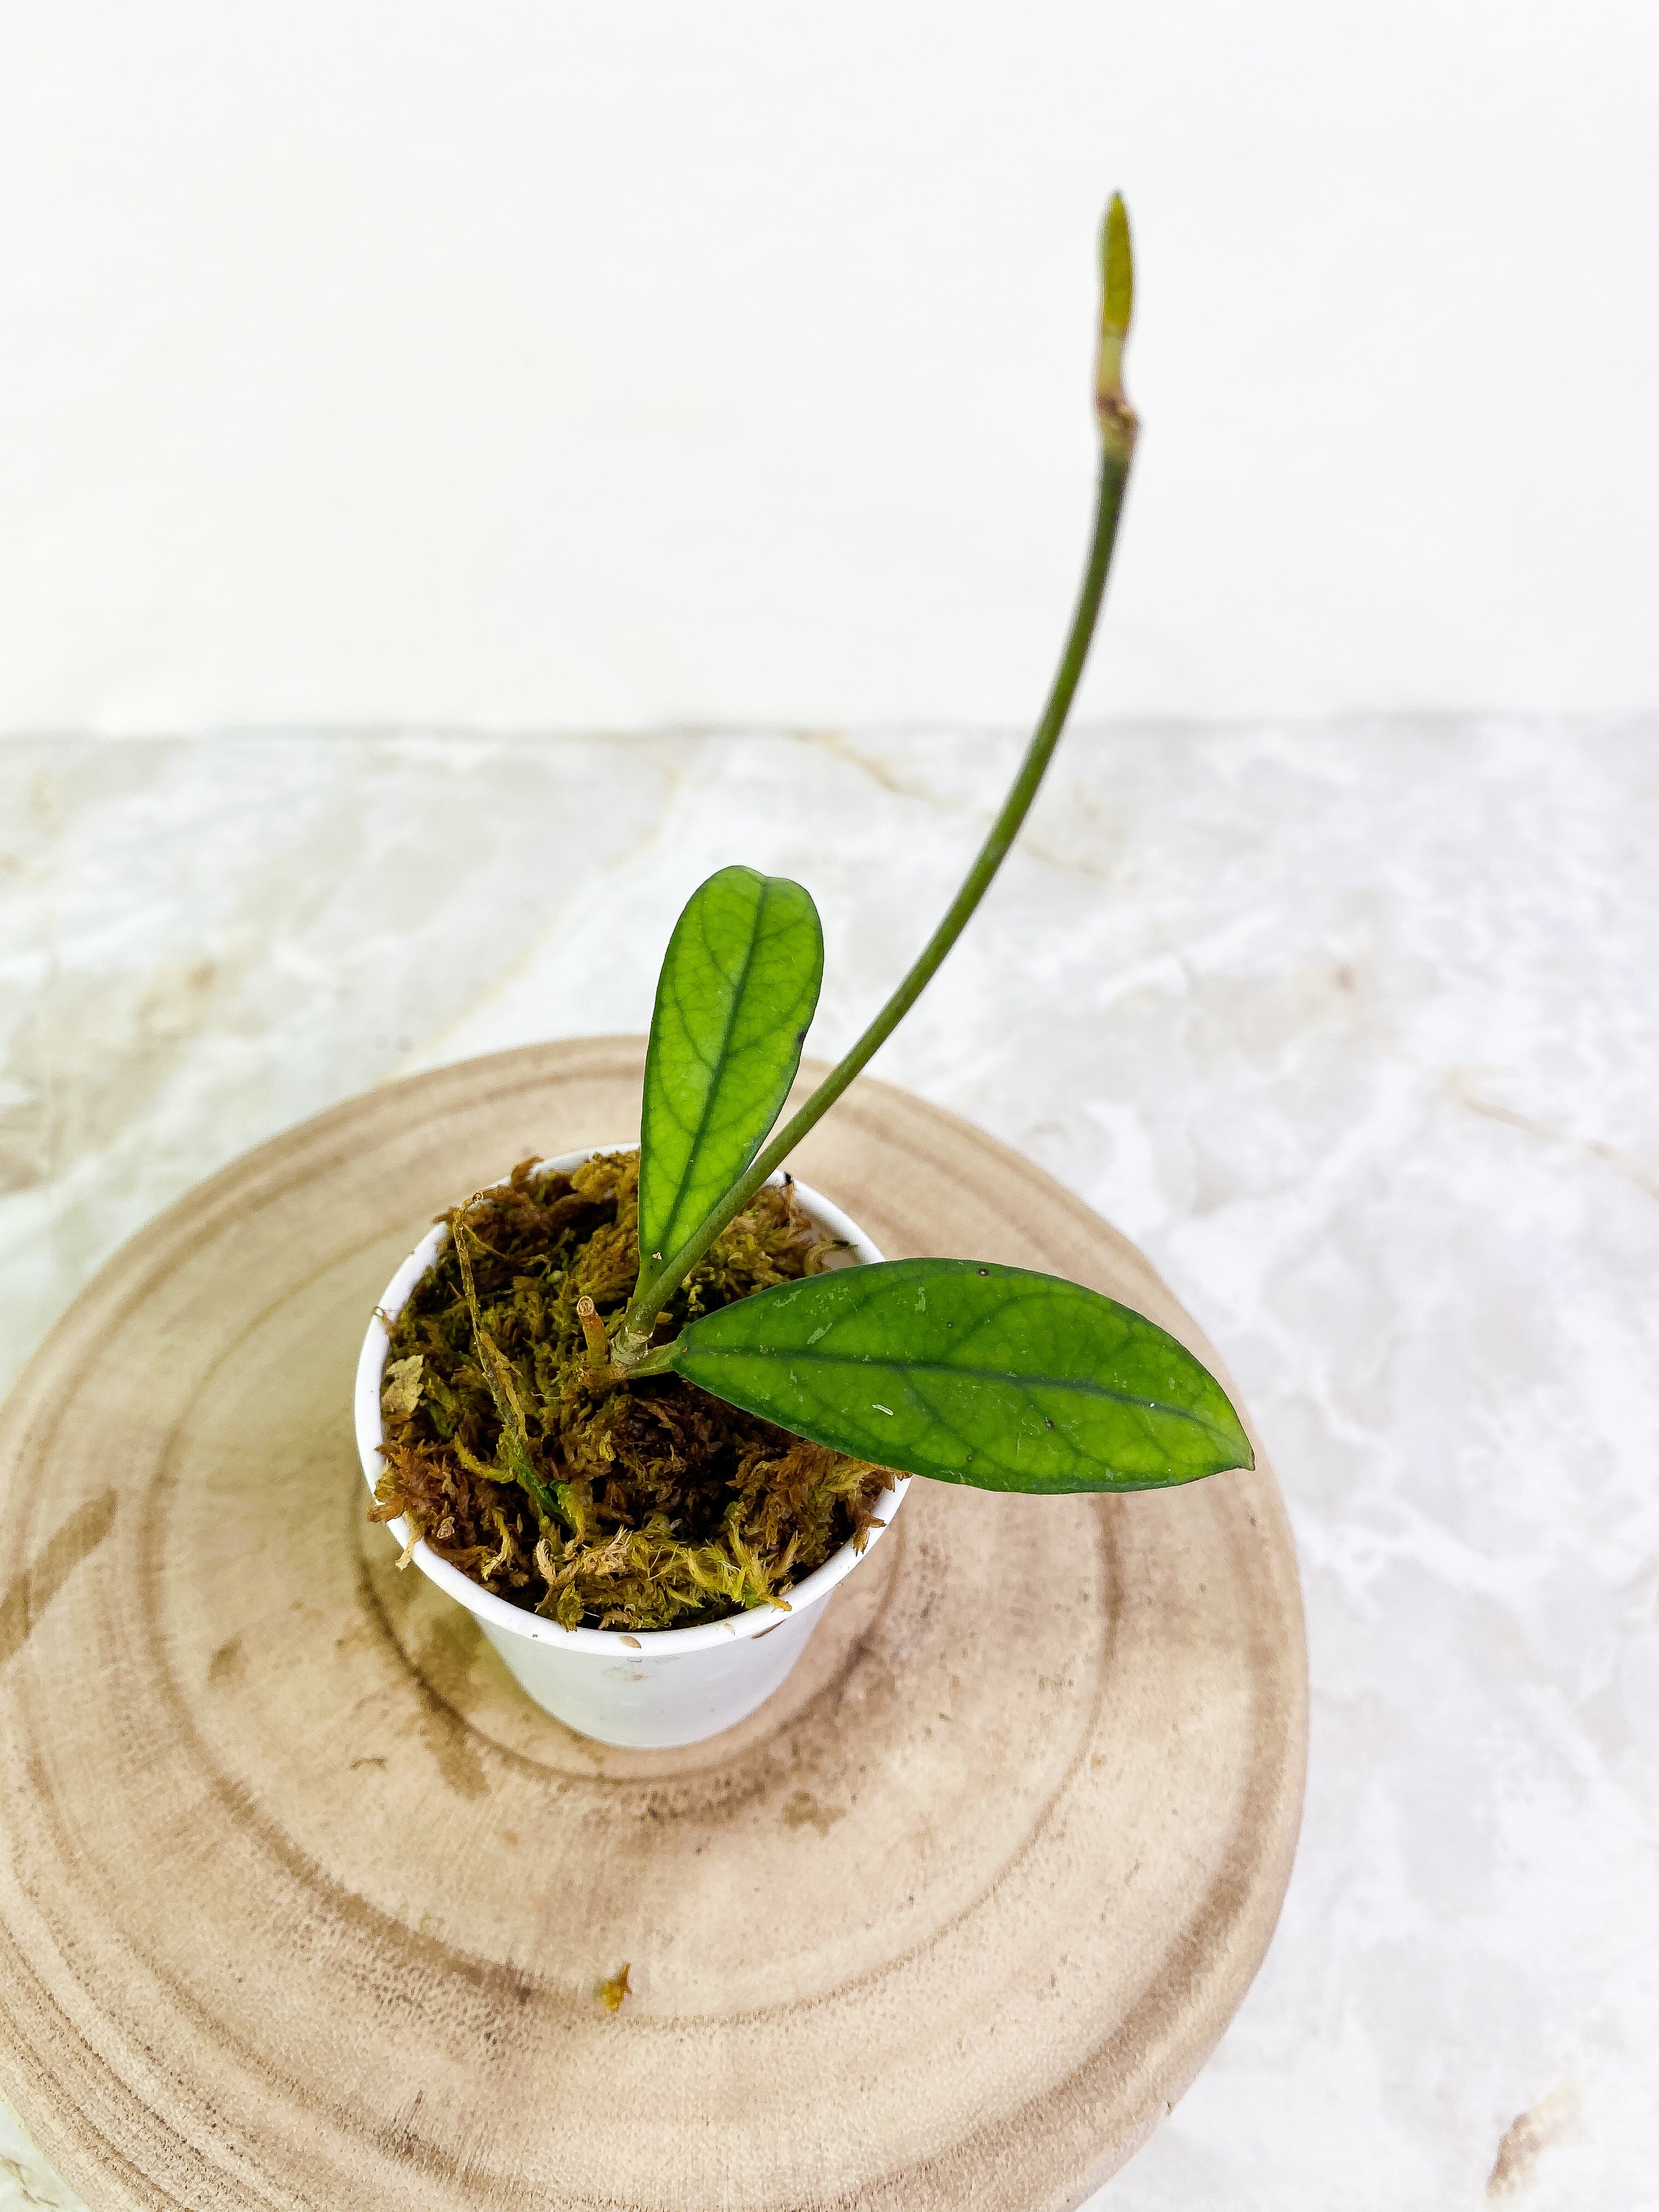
[656,1688]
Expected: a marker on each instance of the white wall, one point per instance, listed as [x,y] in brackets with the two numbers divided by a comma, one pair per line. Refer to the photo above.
[515,362]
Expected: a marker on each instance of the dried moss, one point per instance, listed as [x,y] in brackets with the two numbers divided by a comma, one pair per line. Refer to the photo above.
[643,1506]
[610,1994]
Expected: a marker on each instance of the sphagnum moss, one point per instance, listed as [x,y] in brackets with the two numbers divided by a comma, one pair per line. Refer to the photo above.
[651,1507]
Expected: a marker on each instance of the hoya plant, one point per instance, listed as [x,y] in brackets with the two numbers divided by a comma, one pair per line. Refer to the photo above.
[956,1369]
[636,1393]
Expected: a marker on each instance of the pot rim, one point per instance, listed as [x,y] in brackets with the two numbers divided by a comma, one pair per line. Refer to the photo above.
[613,1642]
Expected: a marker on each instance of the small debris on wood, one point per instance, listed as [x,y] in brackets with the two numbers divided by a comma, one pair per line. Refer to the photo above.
[610,1994]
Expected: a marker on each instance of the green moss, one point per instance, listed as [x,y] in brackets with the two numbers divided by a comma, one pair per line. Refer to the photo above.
[643,1506]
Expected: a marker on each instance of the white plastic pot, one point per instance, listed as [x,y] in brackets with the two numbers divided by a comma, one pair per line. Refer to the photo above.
[660,1688]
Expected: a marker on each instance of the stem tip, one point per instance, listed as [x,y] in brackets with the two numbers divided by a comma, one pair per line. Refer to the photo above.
[1117,301]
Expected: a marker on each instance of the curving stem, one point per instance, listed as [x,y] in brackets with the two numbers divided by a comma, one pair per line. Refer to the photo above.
[1118,427]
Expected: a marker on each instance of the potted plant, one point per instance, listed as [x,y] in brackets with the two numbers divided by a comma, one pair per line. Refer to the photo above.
[635,1410]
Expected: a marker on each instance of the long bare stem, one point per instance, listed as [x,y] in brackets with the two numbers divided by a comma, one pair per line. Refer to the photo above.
[1118,427]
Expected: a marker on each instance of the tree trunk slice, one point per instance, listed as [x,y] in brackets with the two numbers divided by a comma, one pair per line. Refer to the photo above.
[302,1902]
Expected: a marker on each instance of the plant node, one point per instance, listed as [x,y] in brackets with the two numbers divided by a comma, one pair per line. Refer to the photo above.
[598,1344]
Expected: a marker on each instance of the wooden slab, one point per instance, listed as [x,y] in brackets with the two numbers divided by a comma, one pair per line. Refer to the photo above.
[303,1905]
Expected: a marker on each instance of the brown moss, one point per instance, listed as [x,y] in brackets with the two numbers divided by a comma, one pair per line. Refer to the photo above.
[643,1506]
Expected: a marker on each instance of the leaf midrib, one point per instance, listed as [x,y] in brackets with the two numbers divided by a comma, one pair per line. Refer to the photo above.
[940,1367]
[714,1066]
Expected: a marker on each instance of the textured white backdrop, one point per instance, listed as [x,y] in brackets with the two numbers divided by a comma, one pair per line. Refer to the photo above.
[515,363]
[1351,1028]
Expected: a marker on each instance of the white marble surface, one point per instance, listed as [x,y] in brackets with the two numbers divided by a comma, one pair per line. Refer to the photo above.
[1351,1027]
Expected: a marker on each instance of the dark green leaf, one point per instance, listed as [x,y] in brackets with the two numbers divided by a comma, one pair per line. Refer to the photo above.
[970,1373]
[738,985]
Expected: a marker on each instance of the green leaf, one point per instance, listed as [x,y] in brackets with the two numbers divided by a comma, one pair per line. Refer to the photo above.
[969,1373]
[738,985]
